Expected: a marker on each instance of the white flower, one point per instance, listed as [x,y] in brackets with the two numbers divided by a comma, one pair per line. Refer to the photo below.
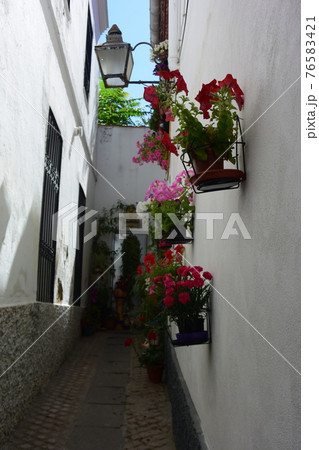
[158,49]
[142,207]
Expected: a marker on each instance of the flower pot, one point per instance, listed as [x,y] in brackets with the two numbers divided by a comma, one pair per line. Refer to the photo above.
[155,373]
[119,293]
[192,325]
[211,163]
[192,332]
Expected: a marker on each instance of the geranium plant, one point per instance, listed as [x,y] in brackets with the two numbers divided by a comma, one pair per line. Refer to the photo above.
[150,353]
[182,291]
[186,294]
[165,202]
[215,106]
[155,148]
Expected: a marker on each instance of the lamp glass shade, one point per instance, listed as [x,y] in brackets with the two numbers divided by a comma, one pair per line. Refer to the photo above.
[116,63]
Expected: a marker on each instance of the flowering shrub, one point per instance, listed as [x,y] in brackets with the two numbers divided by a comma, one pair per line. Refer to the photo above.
[155,148]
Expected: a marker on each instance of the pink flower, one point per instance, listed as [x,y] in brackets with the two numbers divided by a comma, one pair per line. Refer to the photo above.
[184,297]
[198,282]
[207,275]
[169,291]
[168,300]
[181,270]
[152,288]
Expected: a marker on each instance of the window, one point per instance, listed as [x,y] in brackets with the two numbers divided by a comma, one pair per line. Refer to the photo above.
[88,55]
[50,202]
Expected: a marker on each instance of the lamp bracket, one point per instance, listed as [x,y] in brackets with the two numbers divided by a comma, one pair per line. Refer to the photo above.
[143,82]
[140,43]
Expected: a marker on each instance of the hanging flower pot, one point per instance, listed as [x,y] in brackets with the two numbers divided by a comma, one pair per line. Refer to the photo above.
[192,332]
[212,162]
[155,373]
[223,169]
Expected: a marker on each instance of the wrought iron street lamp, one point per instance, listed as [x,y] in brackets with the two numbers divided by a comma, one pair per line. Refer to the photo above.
[116,60]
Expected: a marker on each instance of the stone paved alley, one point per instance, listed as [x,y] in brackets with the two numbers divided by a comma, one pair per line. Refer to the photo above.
[99,399]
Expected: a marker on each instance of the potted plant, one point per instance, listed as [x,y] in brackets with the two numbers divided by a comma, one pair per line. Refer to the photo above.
[186,301]
[208,131]
[151,356]
[166,204]
[155,148]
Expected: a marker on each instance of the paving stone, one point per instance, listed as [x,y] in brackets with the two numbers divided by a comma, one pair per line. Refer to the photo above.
[106,395]
[100,399]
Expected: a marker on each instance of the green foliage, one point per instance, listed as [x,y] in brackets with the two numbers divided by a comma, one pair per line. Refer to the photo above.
[116,108]
[152,356]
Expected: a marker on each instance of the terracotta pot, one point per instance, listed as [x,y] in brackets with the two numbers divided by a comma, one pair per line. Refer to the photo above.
[212,162]
[155,373]
[120,293]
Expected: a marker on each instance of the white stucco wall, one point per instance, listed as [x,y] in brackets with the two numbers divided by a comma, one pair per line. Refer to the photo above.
[41,67]
[119,178]
[245,384]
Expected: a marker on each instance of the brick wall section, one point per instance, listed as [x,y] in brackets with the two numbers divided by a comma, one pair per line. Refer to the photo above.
[20,328]
[163,28]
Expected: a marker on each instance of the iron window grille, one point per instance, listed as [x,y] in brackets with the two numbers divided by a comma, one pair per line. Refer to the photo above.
[50,202]
[88,54]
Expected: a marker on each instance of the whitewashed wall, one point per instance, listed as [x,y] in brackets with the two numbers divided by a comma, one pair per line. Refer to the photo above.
[119,178]
[41,66]
[245,384]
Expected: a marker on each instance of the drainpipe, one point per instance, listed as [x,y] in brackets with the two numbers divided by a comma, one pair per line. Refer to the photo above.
[173,33]
[154,21]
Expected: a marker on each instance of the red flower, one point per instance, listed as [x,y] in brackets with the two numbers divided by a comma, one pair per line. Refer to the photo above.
[184,297]
[169,254]
[168,300]
[152,336]
[169,291]
[181,270]
[198,282]
[169,115]
[151,96]
[204,97]
[207,275]
[198,268]
[180,83]
[140,270]
[231,82]
[170,147]
[149,259]
[179,248]
[128,342]
[142,319]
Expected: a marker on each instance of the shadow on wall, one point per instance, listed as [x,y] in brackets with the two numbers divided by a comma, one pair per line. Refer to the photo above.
[5,213]
[23,271]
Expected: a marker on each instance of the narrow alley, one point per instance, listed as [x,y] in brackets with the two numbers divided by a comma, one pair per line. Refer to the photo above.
[99,399]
